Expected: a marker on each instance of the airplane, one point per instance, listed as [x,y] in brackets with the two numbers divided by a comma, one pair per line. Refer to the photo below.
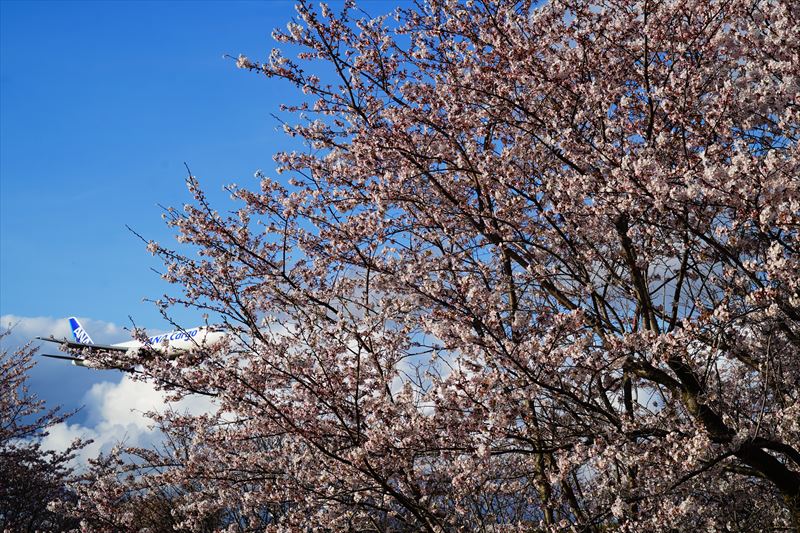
[172,342]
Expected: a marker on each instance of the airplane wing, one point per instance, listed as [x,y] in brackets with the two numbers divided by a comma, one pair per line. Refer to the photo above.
[65,357]
[72,345]
[82,362]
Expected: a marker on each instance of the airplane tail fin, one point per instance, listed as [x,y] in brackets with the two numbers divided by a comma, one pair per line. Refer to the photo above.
[78,332]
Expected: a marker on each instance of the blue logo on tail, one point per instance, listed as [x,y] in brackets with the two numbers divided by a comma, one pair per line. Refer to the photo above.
[78,332]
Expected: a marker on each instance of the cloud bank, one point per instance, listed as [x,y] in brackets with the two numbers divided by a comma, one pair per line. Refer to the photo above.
[24,328]
[116,414]
[112,405]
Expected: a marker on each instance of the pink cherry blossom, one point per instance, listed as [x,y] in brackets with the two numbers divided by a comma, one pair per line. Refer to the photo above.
[538,269]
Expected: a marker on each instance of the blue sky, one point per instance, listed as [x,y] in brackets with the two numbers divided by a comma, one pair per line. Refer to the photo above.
[101,103]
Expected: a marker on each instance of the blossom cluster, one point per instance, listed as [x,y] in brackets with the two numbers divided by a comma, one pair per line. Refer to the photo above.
[538,268]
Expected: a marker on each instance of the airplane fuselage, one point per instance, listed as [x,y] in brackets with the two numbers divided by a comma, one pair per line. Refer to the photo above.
[168,343]
[176,341]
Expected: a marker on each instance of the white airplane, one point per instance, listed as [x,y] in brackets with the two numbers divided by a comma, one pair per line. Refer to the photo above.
[172,342]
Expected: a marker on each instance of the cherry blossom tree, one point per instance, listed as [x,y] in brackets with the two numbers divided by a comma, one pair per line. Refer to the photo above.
[31,479]
[538,268]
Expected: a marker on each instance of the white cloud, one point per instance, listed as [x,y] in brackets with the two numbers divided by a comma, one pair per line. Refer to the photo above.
[116,414]
[113,411]
[29,327]
[25,328]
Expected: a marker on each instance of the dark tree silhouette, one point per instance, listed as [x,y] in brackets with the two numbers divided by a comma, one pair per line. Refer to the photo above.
[33,481]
